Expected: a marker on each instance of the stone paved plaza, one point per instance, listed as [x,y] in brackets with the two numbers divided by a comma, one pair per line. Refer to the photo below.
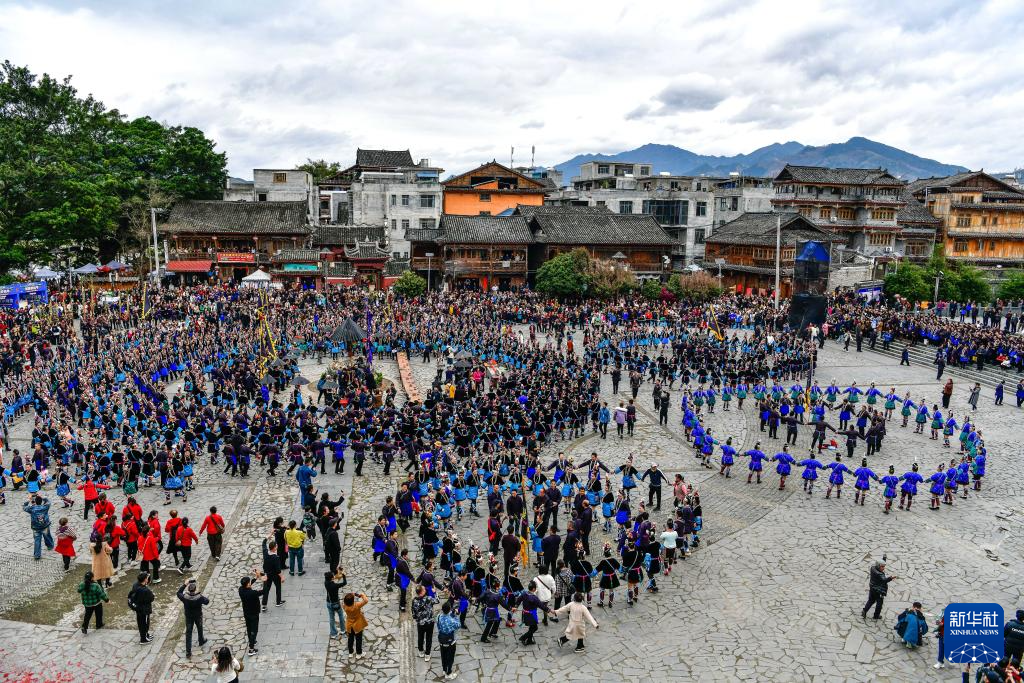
[773,594]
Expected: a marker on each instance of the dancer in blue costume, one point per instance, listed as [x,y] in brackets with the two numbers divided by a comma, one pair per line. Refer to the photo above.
[757,458]
[909,487]
[785,465]
[864,475]
[938,486]
[836,477]
[811,466]
[890,482]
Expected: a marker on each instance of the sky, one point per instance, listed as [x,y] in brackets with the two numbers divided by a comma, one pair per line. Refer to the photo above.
[460,83]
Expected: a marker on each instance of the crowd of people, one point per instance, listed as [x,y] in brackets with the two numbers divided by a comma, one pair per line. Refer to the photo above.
[154,391]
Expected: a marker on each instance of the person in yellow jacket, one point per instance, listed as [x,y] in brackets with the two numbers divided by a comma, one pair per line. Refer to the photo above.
[294,538]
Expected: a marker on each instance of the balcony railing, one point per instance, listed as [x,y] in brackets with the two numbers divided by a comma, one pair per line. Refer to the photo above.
[456,266]
[826,197]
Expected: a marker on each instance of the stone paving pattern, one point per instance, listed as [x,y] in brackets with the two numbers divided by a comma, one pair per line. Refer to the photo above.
[774,593]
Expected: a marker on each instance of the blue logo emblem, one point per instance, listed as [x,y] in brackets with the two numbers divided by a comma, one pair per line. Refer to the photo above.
[973,632]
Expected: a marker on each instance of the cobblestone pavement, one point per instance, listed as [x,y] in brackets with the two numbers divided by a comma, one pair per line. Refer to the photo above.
[774,593]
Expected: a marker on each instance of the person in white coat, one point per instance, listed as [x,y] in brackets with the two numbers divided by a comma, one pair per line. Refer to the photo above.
[579,615]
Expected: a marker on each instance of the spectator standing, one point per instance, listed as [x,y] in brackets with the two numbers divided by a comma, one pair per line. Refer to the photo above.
[140,600]
[193,602]
[251,606]
[93,597]
[355,623]
[38,509]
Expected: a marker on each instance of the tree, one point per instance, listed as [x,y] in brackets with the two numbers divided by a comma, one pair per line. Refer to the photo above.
[320,168]
[1012,288]
[565,275]
[608,279]
[972,286]
[409,284]
[651,289]
[699,287]
[910,282]
[74,174]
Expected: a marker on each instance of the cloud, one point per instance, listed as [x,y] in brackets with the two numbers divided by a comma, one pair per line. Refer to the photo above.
[696,92]
[460,87]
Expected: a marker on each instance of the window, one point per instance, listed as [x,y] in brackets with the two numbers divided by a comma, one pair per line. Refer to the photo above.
[979,245]
[280,177]
[984,220]
[963,221]
[405,224]
[699,235]
[394,200]
[645,170]
[426,201]
[995,220]
[825,213]
[673,185]
[735,205]
[806,211]
[702,209]
[991,245]
[485,197]
[405,200]
[485,213]
[722,203]
[879,239]
[261,197]
[846,214]
[601,202]
[668,211]
[428,223]
[396,255]
[882,214]
[960,245]
[602,168]
[394,224]
[625,207]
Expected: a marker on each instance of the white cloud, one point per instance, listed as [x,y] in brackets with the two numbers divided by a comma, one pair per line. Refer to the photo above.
[275,85]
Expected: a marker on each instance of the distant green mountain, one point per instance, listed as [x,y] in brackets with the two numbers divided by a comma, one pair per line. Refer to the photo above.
[767,161]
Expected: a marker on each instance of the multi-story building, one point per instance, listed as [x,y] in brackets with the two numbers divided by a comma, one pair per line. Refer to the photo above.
[746,247]
[919,229]
[477,252]
[387,189]
[682,205]
[238,190]
[490,189]
[981,217]
[551,177]
[287,185]
[739,194]
[859,204]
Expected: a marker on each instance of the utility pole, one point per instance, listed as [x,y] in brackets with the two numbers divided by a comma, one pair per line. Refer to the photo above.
[430,255]
[156,248]
[935,299]
[778,258]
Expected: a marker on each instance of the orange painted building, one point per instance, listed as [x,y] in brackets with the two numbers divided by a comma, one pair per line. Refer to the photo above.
[489,190]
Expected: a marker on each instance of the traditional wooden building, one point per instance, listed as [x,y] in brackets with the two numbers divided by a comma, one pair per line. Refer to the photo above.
[858,204]
[982,217]
[231,239]
[747,247]
[489,190]
[919,229]
[481,252]
[362,248]
[634,240]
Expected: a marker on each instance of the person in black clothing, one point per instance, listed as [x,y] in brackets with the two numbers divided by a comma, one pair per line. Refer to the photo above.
[663,408]
[549,549]
[333,581]
[1013,637]
[877,588]
[250,598]
[140,600]
[403,575]
[529,606]
[657,478]
[193,602]
[272,568]
[510,548]
[332,545]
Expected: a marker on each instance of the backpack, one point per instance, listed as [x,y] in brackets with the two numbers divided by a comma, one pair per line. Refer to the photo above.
[131,600]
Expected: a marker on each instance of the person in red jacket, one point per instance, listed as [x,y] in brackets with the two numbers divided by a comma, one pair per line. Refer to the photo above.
[132,531]
[185,537]
[91,494]
[104,506]
[153,522]
[171,527]
[213,525]
[114,533]
[66,542]
[133,508]
[151,554]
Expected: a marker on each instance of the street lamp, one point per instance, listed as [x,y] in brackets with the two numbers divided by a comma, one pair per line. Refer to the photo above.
[156,246]
[719,262]
[935,299]
[430,255]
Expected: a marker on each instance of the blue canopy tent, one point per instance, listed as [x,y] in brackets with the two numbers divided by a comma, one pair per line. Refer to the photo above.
[23,293]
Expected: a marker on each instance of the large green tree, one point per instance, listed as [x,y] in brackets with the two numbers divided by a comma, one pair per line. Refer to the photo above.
[1012,288]
[909,282]
[565,275]
[75,176]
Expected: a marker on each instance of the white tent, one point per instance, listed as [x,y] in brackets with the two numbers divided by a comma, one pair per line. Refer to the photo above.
[46,274]
[88,269]
[260,278]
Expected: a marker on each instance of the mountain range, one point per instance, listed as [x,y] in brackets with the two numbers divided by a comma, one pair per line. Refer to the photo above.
[857,152]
